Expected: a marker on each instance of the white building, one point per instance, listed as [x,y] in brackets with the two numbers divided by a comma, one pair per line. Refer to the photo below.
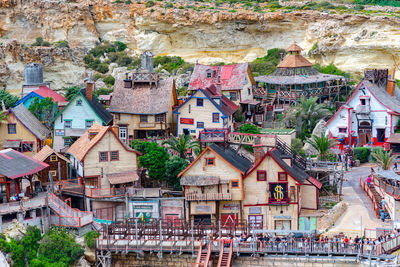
[370,115]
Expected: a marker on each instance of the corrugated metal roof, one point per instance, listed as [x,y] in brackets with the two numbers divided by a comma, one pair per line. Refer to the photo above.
[123,177]
[30,121]
[14,164]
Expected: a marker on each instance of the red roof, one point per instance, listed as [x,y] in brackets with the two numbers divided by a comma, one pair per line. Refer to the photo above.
[232,77]
[47,92]
[315,182]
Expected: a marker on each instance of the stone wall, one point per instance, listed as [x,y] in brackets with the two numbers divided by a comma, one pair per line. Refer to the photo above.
[185,260]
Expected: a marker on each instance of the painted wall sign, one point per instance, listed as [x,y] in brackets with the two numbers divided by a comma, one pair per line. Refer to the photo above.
[203,208]
[186,121]
[255,210]
[283,217]
[230,206]
[278,192]
[59,132]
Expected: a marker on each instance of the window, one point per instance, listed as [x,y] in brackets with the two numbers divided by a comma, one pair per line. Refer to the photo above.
[261,175]
[67,124]
[342,129]
[92,182]
[53,158]
[248,91]
[53,174]
[67,141]
[292,191]
[200,124]
[160,118]
[256,220]
[88,123]
[363,102]
[122,133]
[210,161]
[233,96]
[189,108]
[380,135]
[235,184]
[79,102]
[215,117]
[12,128]
[114,155]
[143,118]
[209,73]
[199,102]
[103,156]
[26,147]
[282,176]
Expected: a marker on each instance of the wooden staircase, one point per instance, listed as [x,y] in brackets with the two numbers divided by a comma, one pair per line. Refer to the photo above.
[225,256]
[203,257]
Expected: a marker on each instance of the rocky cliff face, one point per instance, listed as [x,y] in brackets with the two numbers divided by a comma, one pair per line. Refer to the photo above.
[352,42]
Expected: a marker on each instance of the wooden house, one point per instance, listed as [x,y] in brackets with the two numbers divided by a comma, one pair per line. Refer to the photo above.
[22,131]
[205,108]
[276,190]
[15,166]
[58,165]
[42,93]
[106,164]
[78,116]
[371,114]
[142,104]
[235,81]
[212,184]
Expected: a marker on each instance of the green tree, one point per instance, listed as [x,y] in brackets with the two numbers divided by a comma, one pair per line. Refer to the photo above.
[109,80]
[249,128]
[182,144]
[153,158]
[297,146]
[173,167]
[44,109]
[120,45]
[322,144]
[267,64]
[102,91]
[59,247]
[239,117]
[383,158]
[71,92]
[3,116]
[305,116]
[8,99]
[90,237]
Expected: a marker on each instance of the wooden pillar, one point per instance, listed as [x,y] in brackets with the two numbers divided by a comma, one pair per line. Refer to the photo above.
[8,191]
[31,184]
[17,186]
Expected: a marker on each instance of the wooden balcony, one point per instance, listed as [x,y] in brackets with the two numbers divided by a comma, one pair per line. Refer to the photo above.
[208,196]
[147,125]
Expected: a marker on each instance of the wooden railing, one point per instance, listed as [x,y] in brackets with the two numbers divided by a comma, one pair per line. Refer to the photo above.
[221,254]
[391,190]
[262,92]
[199,255]
[367,190]
[248,139]
[208,196]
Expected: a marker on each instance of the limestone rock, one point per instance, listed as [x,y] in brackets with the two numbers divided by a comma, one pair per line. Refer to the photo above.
[100,84]
[119,73]
[82,262]
[90,255]
[326,221]
[319,128]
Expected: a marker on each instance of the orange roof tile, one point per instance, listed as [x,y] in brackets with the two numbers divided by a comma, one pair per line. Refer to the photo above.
[293,48]
[294,61]
[46,151]
[82,146]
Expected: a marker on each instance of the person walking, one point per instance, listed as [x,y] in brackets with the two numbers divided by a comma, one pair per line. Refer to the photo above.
[395,164]
[369,181]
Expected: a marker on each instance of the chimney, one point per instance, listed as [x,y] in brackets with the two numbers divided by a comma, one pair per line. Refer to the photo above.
[115,130]
[258,150]
[127,81]
[391,82]
[89,87]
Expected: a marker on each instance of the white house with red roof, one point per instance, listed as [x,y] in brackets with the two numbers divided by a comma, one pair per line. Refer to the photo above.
[205,108]
[370,115]
[235,81]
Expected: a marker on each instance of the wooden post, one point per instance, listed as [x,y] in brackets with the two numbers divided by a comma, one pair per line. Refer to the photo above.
[47,207]
[31,184]
[51,182]
[59,179]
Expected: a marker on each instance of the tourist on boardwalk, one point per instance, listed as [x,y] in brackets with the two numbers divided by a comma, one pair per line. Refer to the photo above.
[395,164]
[369,181]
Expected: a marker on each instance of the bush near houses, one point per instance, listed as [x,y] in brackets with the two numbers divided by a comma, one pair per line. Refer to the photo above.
[361,154]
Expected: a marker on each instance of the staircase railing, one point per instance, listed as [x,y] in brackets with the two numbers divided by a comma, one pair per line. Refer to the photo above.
[199,256]
[298,160]
[229,262]
[208,257]
[221,254]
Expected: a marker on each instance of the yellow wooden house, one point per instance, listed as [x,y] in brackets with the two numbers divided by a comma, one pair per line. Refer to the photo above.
[276,190]
[212,184]
[22,131]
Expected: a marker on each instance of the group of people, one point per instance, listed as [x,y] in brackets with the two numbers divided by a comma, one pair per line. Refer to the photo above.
[337,244]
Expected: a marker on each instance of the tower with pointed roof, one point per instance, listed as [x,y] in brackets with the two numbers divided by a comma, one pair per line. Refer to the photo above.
[295,78]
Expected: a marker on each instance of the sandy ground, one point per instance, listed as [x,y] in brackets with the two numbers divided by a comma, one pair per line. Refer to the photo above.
[360,212]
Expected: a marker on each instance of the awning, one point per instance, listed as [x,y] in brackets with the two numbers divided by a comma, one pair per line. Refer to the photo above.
[388,174]
[123,177]
[394,138]
[12,144]
[200,180]
[315,182]
[250,102]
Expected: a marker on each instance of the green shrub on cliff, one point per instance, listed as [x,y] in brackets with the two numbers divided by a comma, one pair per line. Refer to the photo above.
[267,64]
[62,43]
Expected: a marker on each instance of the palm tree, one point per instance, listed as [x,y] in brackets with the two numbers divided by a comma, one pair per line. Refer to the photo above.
[182,144]
[322,144]
[384,158]
[305,115]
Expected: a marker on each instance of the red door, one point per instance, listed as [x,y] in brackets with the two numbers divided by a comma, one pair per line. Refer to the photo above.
[228,220]
[173,219]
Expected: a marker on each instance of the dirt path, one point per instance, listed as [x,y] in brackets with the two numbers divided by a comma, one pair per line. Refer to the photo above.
[360,208]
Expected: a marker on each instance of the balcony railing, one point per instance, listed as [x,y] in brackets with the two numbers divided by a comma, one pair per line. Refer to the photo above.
[363,109]
[207,196]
